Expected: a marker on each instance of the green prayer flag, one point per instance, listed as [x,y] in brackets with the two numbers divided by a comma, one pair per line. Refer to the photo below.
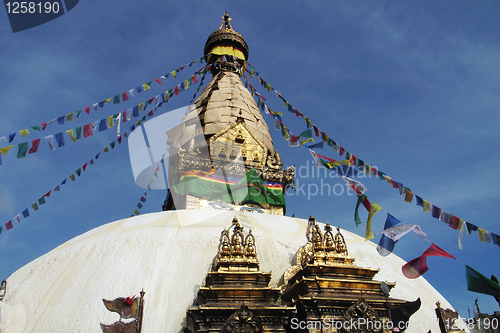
[361,198]
[36,128]
[112,145]
[306,134]
[481,284]
[78,113]
[116,100]
[79,172]
[22,149]
[78,133]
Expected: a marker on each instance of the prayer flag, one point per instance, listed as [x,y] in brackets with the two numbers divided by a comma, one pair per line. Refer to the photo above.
[294,141]
[84,166]
[78,172]
[316,145]
[302,142]
[110,122]
[142,199]
[116,100]
[71,135]
[22,149]
[24,132]
[426,206]
[420,202]
[418,266]
[398,231]
[8,225]
[60,139]
[136,212]
[454,221]
[4,150]
[70,116]
[34,146]
[386,245]
[87,130]
[356,185]
[445,217]
[49,140]
[34,206]
[103,125]
[306,134]
[436,212]
[139,205]
[361,199]
[125,96]
[78,133]
[105,150]
[41,201]
[373,210]
[17,218]
[470,227]
[479,283]
[341,151]
[61,119]
[26,213]
[87,109]
[11,136]
[408,196]
[72,177]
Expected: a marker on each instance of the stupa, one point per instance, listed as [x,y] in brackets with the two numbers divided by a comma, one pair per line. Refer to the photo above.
[221,257]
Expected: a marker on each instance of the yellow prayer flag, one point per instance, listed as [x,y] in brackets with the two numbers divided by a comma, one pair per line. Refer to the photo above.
[110,122]
[140,106]
[186,84]
[373,210]
[275,112]
[167,96]
[4,150]
[108,100]
[368,169]
[427,206]
[268,87]
[408,196]
[480,232]
[24,132]
[145,86]
[302,142]
[331,165]
[174,74]
[388,179]
[70,116]
[71,135]
[105,150]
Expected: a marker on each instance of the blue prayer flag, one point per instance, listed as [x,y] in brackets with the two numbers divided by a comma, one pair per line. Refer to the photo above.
[386,245]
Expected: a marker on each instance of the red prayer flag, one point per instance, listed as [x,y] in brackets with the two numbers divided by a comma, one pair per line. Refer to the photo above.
[84,166]
[124,96]
[44,125]
[87,130]
[341,151]
[34,146]
[375,172]
[195,79]
[158,80]
[87,109]
[119,139]
[418,266]
[150,113]
[297,113]
[454,222]
[316,130]
[124,116]
[8,225]
[142,199]
[47,194]
[176,91]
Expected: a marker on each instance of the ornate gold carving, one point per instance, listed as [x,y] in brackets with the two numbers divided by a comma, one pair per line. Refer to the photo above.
[236,252]
[242,321]
[362,310]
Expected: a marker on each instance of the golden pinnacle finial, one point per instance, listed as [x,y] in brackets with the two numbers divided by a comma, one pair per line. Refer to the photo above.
[225,24]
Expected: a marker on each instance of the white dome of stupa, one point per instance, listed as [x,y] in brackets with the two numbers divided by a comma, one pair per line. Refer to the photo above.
[168,254]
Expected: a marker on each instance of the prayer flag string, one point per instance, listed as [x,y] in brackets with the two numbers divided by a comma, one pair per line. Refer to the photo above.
[95,106]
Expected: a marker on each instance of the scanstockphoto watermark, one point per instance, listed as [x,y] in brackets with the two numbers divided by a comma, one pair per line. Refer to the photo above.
[348,325]
[312,181]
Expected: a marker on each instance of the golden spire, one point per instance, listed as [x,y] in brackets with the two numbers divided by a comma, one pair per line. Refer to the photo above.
[225,24]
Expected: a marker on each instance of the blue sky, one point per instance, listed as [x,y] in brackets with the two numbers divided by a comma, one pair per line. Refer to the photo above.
[408,87]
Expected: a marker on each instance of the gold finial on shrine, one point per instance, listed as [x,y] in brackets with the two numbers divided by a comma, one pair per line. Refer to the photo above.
[225,24]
